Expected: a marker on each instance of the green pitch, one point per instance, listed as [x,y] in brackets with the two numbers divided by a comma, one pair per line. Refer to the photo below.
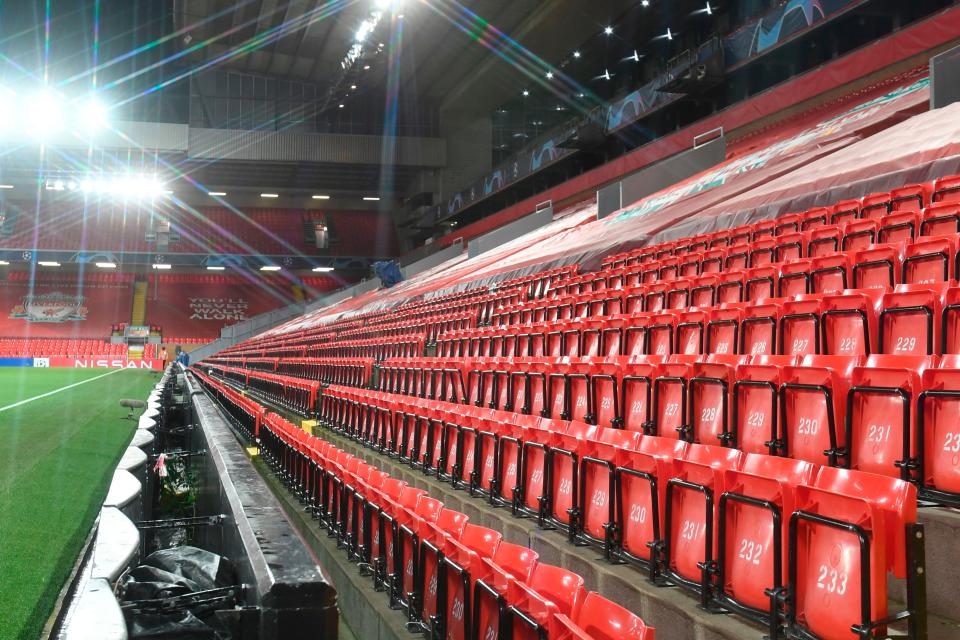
[57,455]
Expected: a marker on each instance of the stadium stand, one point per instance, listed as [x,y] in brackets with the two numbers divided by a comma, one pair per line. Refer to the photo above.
[204,230]
[755,393]
[669,348]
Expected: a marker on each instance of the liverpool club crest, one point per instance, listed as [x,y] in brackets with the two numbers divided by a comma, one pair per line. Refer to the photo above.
[50,307]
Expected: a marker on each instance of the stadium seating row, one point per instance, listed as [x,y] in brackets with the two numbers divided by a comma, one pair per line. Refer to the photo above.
[906,319]
[454,579]
[377,348]
[353,372]
[886,414]
[44,348]
[705,518]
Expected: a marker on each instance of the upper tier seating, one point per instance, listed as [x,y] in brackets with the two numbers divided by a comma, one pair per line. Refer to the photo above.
[206,230]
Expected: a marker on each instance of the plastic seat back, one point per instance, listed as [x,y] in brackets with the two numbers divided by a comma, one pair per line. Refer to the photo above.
[691,504]
[754,508]
[800,326]
[636,389]
[828,558]
[929,260]
[939,433]
[722,330]
[908,321]
[848,324]
[877,267]
[813,408]
[881,425]
[601,619]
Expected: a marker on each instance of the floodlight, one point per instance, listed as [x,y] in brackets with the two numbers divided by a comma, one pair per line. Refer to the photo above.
[216,193]
[371,198]
[320,197]
[270,267]
[93,115]
[323,269]
[162,266]
[215,268]
[48,263]
[107,265]
[44,114]
[269,195]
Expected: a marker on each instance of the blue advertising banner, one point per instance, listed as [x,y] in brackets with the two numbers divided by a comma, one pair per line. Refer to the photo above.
[16,362]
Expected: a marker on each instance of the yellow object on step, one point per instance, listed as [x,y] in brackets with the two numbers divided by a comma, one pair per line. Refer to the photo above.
[139,315]
[309,426]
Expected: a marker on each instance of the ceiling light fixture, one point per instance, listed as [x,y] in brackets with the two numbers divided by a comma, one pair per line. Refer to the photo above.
[576,54]
[525,93]
[645,3]
[323,269]
[214,268]
[608,31]
[270,267]
[319,197]
[106,265]
[371,198]
[341,106]
[6,186]
[269,195]
[216,193]
[549,75]
[48,263]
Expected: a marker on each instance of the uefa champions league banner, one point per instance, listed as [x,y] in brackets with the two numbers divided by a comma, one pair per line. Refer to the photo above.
[778,25]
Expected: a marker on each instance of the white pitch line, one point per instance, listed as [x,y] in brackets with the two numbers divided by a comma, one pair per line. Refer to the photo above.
[50,393]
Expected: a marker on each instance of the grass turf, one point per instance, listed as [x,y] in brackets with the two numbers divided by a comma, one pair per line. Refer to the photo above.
[57,455]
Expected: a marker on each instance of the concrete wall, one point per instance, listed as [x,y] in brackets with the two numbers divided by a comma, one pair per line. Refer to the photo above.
[509,232]
[660,175]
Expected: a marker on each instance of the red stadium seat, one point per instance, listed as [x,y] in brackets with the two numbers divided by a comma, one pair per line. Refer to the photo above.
[813,408]
[881,429]
[752,536]
[848,531]
[938,436]
[600,619]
